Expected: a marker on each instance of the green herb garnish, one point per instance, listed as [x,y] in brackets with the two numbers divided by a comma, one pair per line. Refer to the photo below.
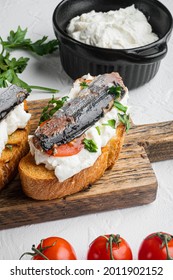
[125,119]
[98,130]
[10,67]
[120,106]
[18,40]
[53,106]
[10,147]
[90,145]
[110,123]
[84,85]
[116,90]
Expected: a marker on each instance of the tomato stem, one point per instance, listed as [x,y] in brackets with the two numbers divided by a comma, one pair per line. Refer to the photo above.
[110,240]
[166,238]
[38,251]
[26,253]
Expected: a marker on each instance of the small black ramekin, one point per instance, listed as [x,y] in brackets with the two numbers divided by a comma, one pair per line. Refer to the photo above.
[137,66]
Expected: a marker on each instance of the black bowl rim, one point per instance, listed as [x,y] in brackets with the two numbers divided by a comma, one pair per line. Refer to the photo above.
[87,46]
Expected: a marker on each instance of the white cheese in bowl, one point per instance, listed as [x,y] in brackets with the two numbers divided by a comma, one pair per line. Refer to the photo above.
[120,29]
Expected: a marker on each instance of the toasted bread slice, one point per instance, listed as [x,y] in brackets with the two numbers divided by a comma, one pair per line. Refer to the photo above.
[42,184]
[16,148]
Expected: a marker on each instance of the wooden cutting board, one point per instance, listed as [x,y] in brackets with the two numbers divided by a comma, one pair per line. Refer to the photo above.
[132,181]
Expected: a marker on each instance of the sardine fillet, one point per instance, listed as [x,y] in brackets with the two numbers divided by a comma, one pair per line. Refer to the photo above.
[10,98]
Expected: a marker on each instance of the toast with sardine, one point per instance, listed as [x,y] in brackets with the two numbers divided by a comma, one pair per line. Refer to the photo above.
[78,138]
[14,130]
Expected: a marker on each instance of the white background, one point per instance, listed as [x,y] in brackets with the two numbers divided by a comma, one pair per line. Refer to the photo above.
[150,103]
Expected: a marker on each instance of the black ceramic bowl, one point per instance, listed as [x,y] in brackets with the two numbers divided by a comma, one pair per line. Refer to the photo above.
[136,66]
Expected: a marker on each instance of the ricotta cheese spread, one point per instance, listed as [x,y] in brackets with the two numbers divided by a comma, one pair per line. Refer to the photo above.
[66,167]
[120,29]
[17,118]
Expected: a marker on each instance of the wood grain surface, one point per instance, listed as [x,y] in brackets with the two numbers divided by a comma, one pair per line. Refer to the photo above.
[131,182]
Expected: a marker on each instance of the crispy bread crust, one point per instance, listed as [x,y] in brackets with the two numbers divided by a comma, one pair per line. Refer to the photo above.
[41,184]
[10,158]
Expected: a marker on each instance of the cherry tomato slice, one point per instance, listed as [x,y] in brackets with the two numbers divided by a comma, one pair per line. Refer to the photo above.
[69,149]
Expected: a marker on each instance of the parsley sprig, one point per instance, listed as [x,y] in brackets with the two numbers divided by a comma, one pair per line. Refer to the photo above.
[10,67]
[90,145]
[125,119]
[110,123]
[116,90]
[98,130]
[84,85]
[120,106]
[18,40]
[53,106]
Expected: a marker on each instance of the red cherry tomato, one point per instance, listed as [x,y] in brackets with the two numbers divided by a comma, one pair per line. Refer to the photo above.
[53,248]
[156,246]
[109,247]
